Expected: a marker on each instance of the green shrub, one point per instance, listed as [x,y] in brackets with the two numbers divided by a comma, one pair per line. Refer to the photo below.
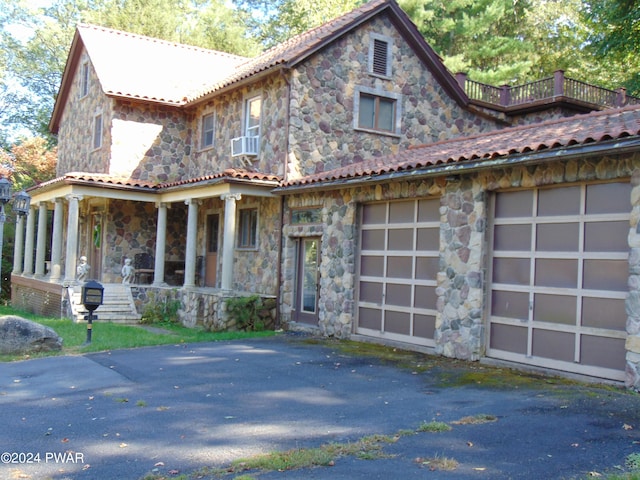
[161,309]
[245,311]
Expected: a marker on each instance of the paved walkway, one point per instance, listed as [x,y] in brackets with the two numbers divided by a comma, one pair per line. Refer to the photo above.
[174,409]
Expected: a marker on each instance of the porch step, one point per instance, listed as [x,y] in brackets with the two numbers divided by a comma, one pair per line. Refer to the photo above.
[117,305]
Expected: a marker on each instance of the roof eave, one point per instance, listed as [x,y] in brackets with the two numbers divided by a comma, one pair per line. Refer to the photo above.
[619,146]
[73,58]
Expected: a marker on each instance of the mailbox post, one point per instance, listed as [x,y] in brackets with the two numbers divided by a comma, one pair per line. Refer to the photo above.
[92,296]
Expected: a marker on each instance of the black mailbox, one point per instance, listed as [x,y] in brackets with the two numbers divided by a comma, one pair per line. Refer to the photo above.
[92,296]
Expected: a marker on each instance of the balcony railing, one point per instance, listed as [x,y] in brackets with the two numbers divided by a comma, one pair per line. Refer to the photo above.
[545,89]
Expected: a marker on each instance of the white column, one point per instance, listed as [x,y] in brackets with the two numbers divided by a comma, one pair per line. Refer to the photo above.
[72,239]
[228,239]
[56,241]
[161,244]
[41,245]
[29,243]
[192,235]
[18,246]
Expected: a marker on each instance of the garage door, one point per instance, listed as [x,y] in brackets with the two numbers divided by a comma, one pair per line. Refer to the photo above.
[559,276]
[398,267]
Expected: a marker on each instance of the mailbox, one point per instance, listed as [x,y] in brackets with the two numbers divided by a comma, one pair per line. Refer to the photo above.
[92,295]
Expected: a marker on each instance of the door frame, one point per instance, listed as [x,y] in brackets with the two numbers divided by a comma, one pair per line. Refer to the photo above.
[300,314]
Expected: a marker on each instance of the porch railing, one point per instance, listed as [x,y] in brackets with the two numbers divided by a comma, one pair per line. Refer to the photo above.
[545,89]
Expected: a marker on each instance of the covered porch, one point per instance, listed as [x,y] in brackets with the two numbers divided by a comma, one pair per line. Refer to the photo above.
[201,241]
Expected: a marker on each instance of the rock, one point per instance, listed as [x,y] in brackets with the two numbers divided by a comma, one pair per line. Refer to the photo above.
[19,335]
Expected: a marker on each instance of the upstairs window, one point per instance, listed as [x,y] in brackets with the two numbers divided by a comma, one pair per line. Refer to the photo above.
[380,55]
[377,111]
[84,80]
[253,112]
[97,131]
[206,137]
[247,228]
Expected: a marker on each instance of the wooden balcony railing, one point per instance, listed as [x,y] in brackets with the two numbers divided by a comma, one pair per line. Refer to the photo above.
[545,89]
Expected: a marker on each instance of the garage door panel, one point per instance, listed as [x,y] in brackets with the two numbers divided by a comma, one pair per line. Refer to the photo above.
[609,313]
[558,237]
[554,309]
[370,318]
[426,268]
[509,338]
[604,198]
[606,275]
[517,203]
[556,273]
[603,352]
[510,304]
[559,201]
[606,236]
[554,345]
[424,326]
[399,267]
[514,271]
[399,264]
[373,239]
[560,303]
[397,322]
[513,238]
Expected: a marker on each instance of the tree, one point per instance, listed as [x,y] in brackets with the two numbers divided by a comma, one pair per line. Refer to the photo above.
[615,36]
[487,39]
[273,22]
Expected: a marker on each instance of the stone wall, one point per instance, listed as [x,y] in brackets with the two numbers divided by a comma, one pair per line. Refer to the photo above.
[75,136]
[461,281]
[322,135]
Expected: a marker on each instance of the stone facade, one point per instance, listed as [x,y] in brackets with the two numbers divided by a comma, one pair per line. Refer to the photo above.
[461,282]
[323,89]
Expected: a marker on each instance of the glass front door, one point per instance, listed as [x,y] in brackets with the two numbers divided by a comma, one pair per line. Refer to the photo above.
[307,280]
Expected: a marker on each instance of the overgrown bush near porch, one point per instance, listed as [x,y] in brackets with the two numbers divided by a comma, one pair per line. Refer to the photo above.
[162,308]
[252,313]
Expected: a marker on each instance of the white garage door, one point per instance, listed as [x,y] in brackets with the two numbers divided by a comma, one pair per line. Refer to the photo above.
[559,275]
[398,267]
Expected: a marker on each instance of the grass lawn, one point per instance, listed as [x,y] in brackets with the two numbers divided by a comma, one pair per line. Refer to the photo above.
[111,336]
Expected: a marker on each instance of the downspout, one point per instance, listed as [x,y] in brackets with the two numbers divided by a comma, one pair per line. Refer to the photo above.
[285,176]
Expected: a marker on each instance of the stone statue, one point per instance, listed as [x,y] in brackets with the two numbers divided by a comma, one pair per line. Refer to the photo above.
[83,269]
[127,271]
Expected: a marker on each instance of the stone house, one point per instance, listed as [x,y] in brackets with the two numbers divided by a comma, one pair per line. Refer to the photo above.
[356,185]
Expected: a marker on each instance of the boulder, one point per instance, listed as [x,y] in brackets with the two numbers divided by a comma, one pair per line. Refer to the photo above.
[19,335]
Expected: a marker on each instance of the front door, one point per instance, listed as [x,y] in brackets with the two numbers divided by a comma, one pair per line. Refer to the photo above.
[308,275]
[95,250]
[211,263]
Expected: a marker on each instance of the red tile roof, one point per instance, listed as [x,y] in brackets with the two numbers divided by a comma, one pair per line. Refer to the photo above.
[578,130]
[229,174]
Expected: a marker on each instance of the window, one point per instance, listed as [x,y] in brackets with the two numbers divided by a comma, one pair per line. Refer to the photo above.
[380,55]
[84,80]
[248,228]
[206,138]
[253,108]
[377,111]
[97,131]
[306,215]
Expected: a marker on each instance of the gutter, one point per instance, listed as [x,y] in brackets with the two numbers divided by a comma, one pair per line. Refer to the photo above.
[617,147]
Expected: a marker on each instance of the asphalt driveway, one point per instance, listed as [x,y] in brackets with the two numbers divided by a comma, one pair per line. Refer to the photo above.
[173,410]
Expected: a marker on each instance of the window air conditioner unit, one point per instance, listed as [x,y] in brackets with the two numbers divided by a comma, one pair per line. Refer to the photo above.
[244,146]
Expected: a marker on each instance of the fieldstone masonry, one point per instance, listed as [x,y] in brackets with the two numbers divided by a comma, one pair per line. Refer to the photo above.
[633,300]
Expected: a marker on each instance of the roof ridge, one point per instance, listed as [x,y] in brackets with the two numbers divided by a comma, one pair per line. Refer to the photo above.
[161,41]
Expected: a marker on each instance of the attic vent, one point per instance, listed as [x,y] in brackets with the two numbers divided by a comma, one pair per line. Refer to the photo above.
[380,56]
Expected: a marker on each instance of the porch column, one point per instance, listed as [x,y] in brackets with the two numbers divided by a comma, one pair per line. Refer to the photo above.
[228,239]
[161,244]
[41,246]
[192,232]
[72,239]
[56,242]
[28,247]
[18,246]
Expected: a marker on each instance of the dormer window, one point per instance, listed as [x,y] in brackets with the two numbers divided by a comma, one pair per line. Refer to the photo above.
[84,80]
[380,55]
